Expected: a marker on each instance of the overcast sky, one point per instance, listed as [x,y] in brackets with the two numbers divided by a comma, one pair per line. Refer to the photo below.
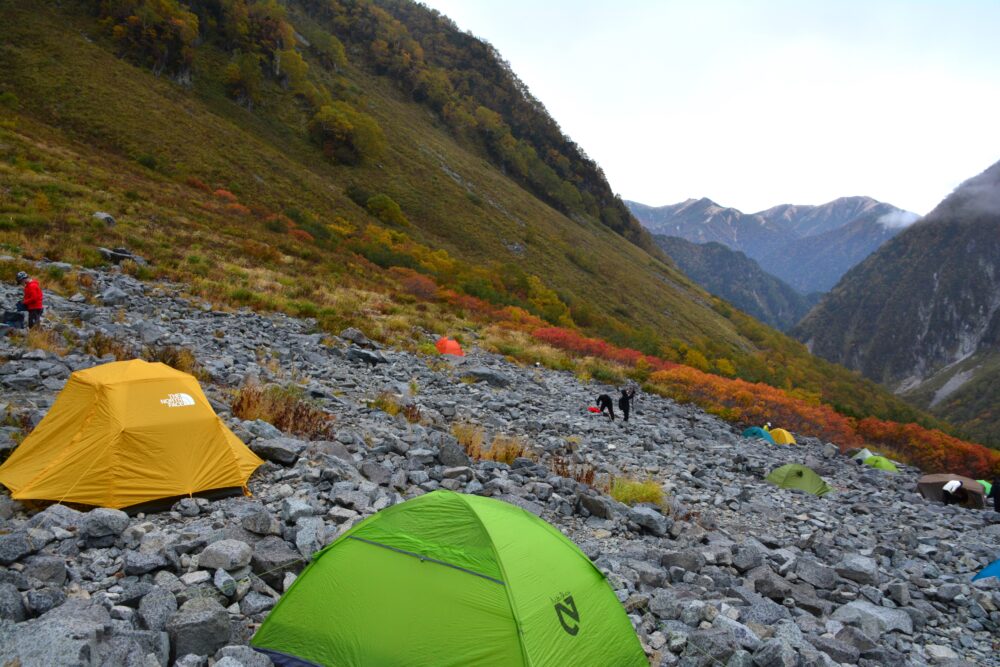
[753,104]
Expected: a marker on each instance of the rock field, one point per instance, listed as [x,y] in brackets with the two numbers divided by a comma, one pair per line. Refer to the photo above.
[733,571]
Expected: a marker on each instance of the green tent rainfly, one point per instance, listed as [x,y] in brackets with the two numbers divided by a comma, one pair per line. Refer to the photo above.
[795,476]
[881,463]
[450,579]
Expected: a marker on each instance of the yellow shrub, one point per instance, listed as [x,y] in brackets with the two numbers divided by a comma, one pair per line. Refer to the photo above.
[632,491]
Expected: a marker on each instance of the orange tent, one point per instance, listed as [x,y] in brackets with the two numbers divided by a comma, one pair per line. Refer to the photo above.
[449,346]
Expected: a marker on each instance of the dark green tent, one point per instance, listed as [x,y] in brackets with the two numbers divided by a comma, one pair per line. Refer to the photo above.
[450,579]
[796,476]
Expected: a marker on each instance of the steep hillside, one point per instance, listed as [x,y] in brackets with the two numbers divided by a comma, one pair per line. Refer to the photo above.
[320,159]
[739,280]
[922,314]
[808,247]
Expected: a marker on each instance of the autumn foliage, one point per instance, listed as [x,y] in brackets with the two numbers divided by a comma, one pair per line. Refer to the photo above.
[932,450]
[573,341]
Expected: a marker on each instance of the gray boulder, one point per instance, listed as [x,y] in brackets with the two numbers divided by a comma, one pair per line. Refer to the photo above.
[281,450]
[156,608]
[201,626]
[14,547]
[243,655]
[102,526]
[272,558]
[650,519]
[225,555]
[872,619]
[487,375]
[11,605]
[859,568]
[114,296]
[67,635]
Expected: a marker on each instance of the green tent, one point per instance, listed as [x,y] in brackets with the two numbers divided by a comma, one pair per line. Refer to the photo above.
[450,579]
[881,463]
[986,485]
[863,455]
[795,476]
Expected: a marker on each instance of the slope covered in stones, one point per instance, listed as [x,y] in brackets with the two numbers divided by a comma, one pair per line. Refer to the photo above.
[728,570]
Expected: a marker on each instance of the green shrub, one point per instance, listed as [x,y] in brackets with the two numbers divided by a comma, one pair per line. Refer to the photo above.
[347,135]
[632,491]
[384,207]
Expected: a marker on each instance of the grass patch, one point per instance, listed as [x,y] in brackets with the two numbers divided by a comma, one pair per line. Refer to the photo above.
[179,358]
[581,472]
[102,345]
[633,491]
[284,408]
[39,338]
[503,449]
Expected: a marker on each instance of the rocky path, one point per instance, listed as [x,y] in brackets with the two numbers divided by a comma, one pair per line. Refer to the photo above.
[733,572]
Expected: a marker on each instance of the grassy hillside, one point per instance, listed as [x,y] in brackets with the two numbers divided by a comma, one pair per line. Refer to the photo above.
[216,174]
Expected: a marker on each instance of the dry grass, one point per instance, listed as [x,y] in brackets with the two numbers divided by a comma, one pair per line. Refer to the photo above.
[471,437]
[283,407]
[387,403]
[101,345]
[632,491]
[179,358]
[581,472]
[40,338]
[503,449]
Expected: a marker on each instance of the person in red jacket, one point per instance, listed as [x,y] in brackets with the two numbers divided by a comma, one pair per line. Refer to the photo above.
[33,300]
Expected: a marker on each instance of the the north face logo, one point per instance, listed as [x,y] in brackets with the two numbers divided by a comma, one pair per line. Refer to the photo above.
[177,400]
[568,615]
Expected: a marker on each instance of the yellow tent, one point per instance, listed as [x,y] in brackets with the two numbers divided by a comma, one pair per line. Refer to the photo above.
[126,433]
[781,436]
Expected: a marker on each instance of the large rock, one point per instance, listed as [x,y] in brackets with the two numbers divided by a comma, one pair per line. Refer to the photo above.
[225,555]
[775,653]
[14,547]
[650,519]
[859,568]
[102,526]
[452,454]
[815,573]
[141,562]
[370,357]
[272,558]
[840,651]
[11,605]
[156,608]
[114,296]
[707,648]
[599,506]
[201,626]
[689,560]
[872,619]
[487,375]
[67,635]
[243,655]
[282,450]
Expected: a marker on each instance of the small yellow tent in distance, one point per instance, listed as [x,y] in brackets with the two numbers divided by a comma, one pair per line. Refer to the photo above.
[128,433]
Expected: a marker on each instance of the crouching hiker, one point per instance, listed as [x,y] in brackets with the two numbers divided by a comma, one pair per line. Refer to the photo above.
[32,301]
[606,406]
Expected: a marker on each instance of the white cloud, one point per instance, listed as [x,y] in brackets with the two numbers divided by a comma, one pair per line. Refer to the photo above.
[898,219]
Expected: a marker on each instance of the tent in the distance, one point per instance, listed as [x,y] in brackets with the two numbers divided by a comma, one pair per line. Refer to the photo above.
[758,433]
[448,579]
[127,433]
[781,436]
[796,476]
[446,345]
[991,570]
[987,486]
[881,463]
[862,455]
[931,487]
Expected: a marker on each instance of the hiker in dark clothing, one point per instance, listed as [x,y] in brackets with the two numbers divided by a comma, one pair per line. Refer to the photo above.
[995,494]
[625,402]
[605,404]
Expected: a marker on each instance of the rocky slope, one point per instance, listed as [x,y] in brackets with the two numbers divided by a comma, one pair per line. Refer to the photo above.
[733,571]
[739,280]
[808,247]
[922,314]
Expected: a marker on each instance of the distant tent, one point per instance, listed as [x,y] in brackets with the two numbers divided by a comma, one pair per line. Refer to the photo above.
[450,579]
[863,455]
[796,476]
[931,488]
[759,433]
[127,433]
[881,463]
[991,570]
[781,436]
[449,346]
[986,485]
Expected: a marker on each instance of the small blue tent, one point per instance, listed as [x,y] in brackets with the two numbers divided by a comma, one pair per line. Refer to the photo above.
[991,570]
[758,432]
